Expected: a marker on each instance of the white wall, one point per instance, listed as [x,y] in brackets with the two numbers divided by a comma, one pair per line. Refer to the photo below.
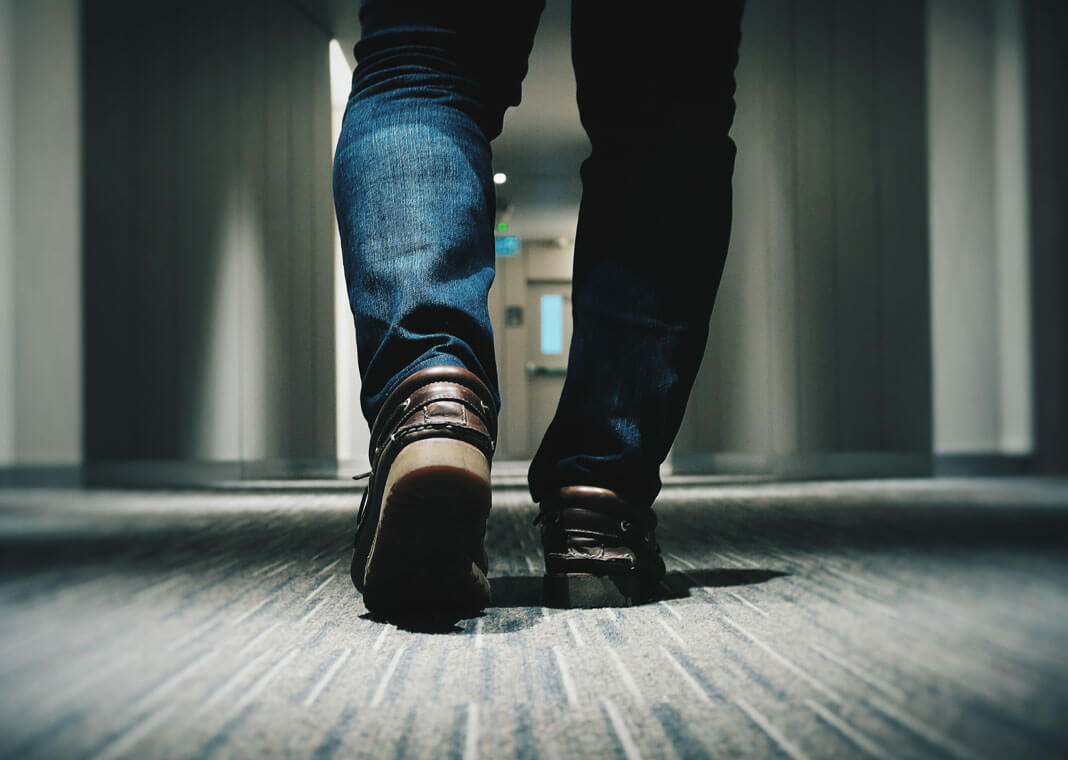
[353,434]
[980,247]
[1012,200]
[7,233]
[40,234]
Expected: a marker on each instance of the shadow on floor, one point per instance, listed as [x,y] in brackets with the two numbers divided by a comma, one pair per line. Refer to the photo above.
[526,591]
[518,600]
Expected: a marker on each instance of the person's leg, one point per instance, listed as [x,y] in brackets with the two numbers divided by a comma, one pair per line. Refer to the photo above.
[656,96]
[415,205]
[413,184]
[655,92]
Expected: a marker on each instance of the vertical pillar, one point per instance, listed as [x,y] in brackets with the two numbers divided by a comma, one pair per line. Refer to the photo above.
[1047,64]
[980,248]
[40,313]
[7,233]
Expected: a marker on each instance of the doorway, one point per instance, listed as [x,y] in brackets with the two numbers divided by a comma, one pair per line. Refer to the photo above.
[530,305]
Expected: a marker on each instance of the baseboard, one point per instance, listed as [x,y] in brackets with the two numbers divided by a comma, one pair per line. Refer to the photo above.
[42,476]
[863,464]
[182,473]
[963,465]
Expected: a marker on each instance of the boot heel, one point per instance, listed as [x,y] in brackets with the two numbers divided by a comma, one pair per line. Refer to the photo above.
[428,544]
[583,591]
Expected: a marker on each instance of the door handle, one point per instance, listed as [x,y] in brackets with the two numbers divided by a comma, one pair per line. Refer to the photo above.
[540,370]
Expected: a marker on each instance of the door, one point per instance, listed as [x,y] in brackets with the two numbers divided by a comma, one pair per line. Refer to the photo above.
[548,338]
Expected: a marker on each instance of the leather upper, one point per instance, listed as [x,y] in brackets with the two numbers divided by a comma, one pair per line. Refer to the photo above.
[434,401]
[586,529]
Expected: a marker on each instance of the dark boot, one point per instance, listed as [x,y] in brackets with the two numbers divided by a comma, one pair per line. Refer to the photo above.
[422,524]
[600,551]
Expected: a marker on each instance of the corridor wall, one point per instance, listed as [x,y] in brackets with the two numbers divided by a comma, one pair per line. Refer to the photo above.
[40,242]
[209,292]
[819,357]
[1046,28]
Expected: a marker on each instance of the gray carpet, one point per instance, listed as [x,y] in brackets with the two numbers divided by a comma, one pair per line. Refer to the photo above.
[888,619]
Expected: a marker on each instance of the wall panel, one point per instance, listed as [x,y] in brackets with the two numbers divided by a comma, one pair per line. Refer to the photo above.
[817,388]
[853,214]
[901,230]
[1047,28]
[8,453]
[208,311]
[47,229]
[816,351]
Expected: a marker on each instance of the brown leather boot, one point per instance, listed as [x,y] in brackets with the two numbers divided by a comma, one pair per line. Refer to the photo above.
[600,550]
[422,523]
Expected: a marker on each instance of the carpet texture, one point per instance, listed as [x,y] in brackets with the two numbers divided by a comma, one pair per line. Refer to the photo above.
[887,619]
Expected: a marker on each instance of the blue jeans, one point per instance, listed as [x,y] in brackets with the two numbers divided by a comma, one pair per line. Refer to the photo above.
[415,205]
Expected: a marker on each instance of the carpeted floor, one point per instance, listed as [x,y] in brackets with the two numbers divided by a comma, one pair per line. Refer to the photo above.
[889,619]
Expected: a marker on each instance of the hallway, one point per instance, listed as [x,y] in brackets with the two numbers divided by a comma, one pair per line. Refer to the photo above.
[908,618]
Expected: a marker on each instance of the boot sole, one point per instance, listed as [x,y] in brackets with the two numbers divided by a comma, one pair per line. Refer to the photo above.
[430,532]
[586,591]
